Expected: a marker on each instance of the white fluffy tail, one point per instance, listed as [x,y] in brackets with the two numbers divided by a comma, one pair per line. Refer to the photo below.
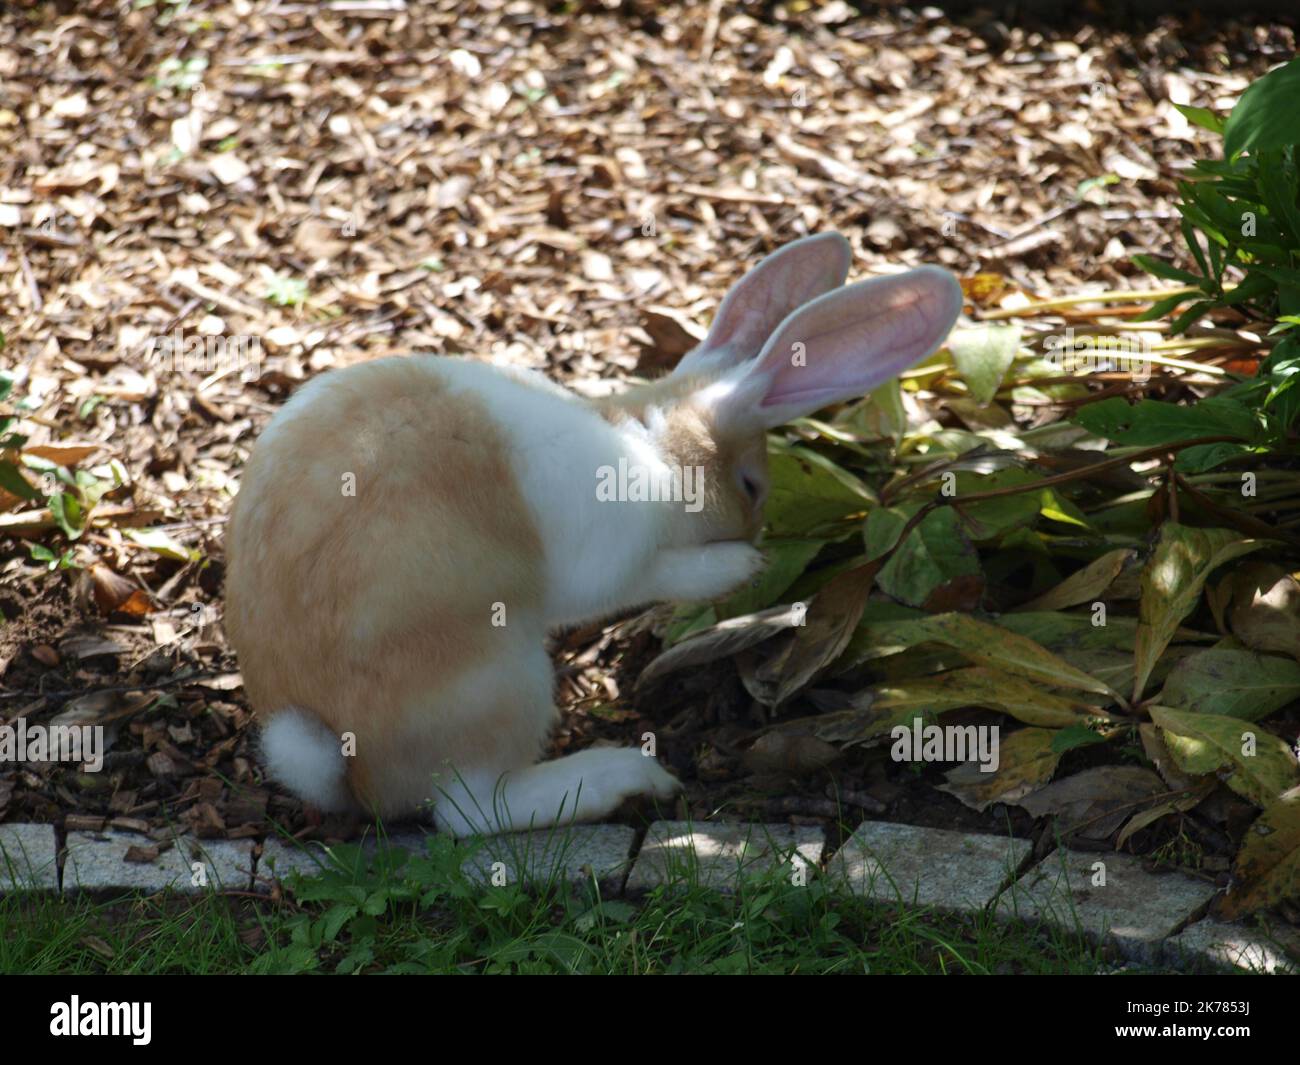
[304,756]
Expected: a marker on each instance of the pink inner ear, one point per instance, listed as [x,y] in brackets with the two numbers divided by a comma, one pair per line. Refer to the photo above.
[782,282]
[857,338]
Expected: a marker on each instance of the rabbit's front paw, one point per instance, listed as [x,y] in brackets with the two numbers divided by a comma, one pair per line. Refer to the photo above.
[709,571]
[612,775]
[655,780]
[629,773]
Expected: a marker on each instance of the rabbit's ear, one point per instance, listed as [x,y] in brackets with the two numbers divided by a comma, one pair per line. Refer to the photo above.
[839,346]
[787,279]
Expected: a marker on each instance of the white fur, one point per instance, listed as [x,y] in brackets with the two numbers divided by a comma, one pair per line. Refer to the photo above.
[579,787]
[304,756]
[598,553]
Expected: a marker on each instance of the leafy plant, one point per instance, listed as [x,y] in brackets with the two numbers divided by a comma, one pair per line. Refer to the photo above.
[41,553]
[996,572]
[81,490]
[286,291]
[76,491]
[1073,676]
[1241,225]
[11,480]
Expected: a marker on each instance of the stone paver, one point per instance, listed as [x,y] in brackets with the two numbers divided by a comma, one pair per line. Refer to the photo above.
[929,866]
[411,840]
[574,854]
[95,861]
[28,858]
[563,853]
[1134,908]
[281,857]
[713,855]
[1228,946]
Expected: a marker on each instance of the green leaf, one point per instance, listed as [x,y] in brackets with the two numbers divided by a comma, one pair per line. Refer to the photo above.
[1162,307]
[990,518]
[687,620]
[1191,316]
[1260,765]
[286,291]
[1163,269]
[1153,422]
[1194,246]
[1204,457]
[1075,736]
[983,356]
[335,918]
[16,484]
[1277,182]
[808,491]
[935,553]
[1201,116]
[67,511]
[786,561]
[1057,508]
[1238,683]
[88,406]
[1266,115]
[1100,182]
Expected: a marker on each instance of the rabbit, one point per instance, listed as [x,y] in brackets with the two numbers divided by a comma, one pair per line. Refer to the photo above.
[409,529]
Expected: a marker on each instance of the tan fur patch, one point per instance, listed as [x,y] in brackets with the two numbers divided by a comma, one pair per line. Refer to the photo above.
[691,438]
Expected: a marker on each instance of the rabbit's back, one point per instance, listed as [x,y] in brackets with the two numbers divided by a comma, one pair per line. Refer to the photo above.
[379,539]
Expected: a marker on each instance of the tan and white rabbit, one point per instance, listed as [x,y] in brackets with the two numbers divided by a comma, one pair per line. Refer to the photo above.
[409,529]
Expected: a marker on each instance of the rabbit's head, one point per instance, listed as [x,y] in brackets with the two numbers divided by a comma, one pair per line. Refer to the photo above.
[789,339]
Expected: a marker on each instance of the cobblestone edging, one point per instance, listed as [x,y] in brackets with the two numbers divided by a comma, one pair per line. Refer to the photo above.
[1149,917]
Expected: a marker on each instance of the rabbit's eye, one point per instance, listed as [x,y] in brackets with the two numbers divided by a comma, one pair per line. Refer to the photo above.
[753,489]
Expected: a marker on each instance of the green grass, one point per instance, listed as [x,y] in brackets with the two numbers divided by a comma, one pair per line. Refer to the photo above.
[422,914]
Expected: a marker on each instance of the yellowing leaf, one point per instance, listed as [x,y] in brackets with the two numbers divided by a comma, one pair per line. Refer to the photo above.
[1171,584]
[1139,821]
[1085,585]
[978,686]
[1265,613]
[832,616]
[1260,765]
[991,645]
[160,543]
[1026,762]
[1268,866]
[1243,684]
